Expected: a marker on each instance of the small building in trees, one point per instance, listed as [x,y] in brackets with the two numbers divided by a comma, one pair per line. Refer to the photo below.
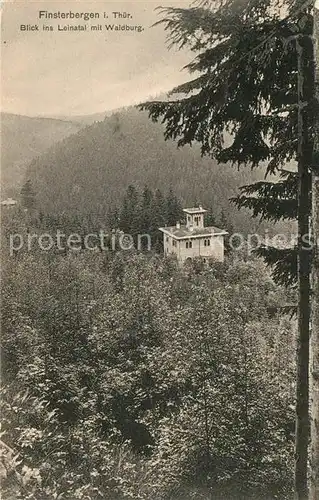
[194,239]
[27,196]
[9,203]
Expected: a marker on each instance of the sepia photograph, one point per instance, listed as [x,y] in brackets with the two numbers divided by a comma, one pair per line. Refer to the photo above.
[159,250]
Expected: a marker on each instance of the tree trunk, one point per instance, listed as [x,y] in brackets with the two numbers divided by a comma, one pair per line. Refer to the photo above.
[314,353]
[314,339]
[305,99]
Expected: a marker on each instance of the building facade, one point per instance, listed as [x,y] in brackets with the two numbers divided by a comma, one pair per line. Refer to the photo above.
[193,239]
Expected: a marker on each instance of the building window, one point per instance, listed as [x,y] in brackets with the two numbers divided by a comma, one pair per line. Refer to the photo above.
[197,221]
[206,243]
[189,244]
[174,243]
[167,239]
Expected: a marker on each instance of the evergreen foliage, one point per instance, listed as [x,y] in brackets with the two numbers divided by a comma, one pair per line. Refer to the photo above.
[136,155]
[27,194]
[126,376]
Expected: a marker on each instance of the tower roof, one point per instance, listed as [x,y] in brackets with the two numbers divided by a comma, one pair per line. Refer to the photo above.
[9,201]
[195,210]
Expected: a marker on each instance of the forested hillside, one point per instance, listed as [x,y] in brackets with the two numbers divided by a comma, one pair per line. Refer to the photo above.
[89,172]
[132,370]
[126,375]
[22,139]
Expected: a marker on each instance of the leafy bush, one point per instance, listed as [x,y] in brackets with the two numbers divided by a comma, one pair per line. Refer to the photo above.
[156,382]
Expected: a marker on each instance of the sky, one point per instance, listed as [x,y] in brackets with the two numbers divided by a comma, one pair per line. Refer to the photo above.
[72,73]
[80,73]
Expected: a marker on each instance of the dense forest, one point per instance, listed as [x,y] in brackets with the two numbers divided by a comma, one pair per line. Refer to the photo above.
[141,212]
[127,376]
[127,148]
[24,138]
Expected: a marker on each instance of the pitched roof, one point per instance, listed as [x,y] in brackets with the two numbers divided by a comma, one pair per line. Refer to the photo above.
[9,201]
[184,232]
[195,210]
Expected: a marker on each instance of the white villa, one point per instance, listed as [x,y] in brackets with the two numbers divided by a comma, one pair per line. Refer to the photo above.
[194,239]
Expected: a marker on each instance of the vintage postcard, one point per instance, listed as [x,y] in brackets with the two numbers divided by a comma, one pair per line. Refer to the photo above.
[159,216]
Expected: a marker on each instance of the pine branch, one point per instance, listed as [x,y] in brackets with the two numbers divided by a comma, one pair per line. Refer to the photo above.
[283,263]
[267,208]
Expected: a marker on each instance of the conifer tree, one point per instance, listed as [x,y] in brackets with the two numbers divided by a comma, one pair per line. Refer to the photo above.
[174,212]
[147,206]
[256,83]
[113,218]
[159,208]
[27,196]
[130,212]
[210,217]
[243,58]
